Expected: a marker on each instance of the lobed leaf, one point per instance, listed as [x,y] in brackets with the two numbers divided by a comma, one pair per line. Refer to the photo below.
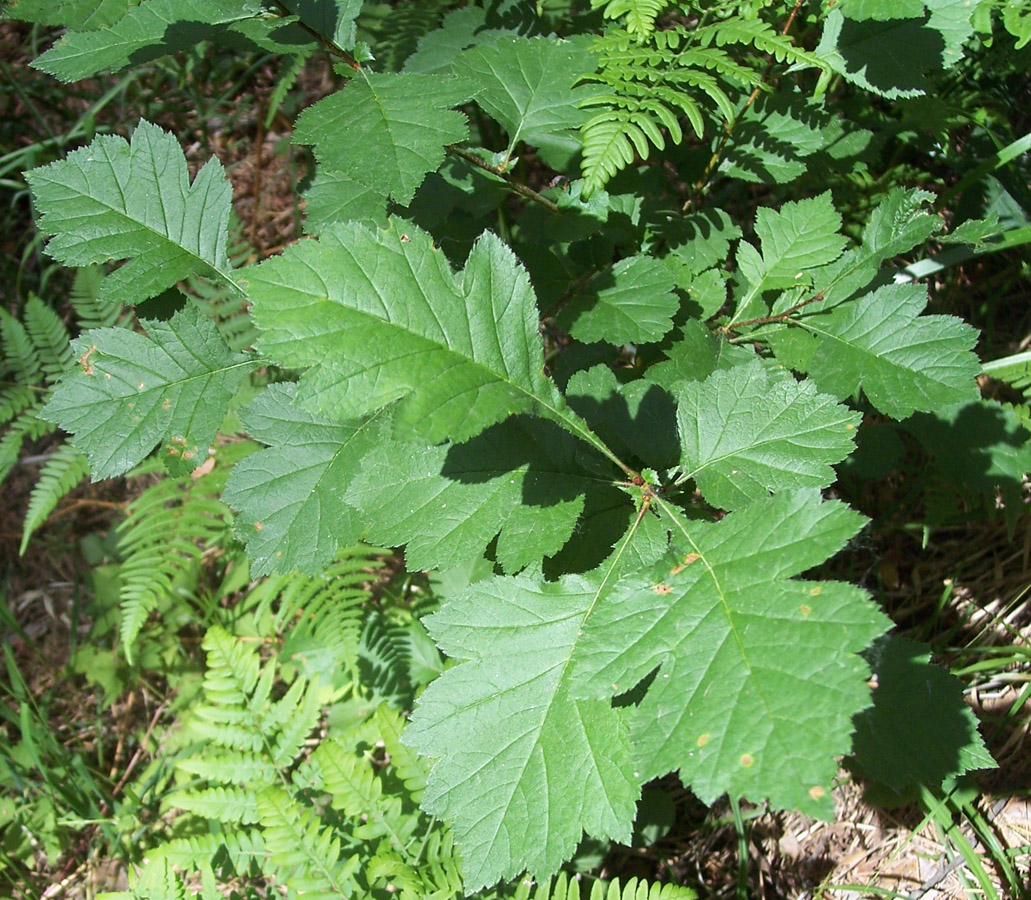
[903,361]
[147,31]
[130,392]
[742,436]
[386,131]
[133,200]
[378,316]
[290,497]
[502,483]
[521,768]
[632,302]
[729,708]
[799,236]
[526,84]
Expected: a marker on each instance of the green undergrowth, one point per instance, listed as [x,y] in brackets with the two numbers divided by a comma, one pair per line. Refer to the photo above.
[564,455]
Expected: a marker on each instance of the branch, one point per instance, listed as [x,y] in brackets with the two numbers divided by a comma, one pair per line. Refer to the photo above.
[520,188]
[766,320]
[729,129]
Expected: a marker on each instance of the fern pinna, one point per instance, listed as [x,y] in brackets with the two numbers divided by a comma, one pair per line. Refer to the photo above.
[653,79]
[610,427]
[36,353]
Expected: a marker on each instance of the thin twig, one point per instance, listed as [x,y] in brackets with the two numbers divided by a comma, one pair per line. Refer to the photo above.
[321,38]
[766,320]
[730,126]
[520,188]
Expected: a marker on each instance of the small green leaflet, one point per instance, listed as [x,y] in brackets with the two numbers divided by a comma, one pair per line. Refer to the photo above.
[631,302]
[386,131]
[503,480]
[527,85]
[133,200]
[890,58]
[742,436]
[292,514]
[131,392]
[521,768]
[758,674]
[799,236]
[903,361]
[897,225]
[980,445]
[379,315]
[152,29]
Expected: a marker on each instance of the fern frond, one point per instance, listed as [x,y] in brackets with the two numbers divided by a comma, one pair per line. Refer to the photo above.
[61,474]
[230,766]
[287,77]
[321,614]
[566,888]
[292,719]
[15,399]
[20,354]
[25,428]
[162,541]
[159,882]
[357,791]
[640,14]
[761,36]
[410,768]
[308,851]
[224,804]
[384,662]
[50,337]
[241,847]
[674,73]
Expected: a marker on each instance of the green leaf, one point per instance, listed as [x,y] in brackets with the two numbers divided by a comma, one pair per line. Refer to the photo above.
[882,10]
[513,481]
[897,225]
[903,361]
[632,302]
[336,197]
[702,239]
[730,707]
[152,29]
[386,131]
[82,15]
[334,19]
[784,135]
[116,199]
[890,58]
[918,731]
[526,84]
[951,19]
[742,436]
[521,768]
[131,392]
[799,236]
[438,50]
[379,315]
[290,497]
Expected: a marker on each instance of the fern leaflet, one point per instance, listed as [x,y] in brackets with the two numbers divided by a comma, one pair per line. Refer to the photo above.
[163,541]
[640,14]
[60,475]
